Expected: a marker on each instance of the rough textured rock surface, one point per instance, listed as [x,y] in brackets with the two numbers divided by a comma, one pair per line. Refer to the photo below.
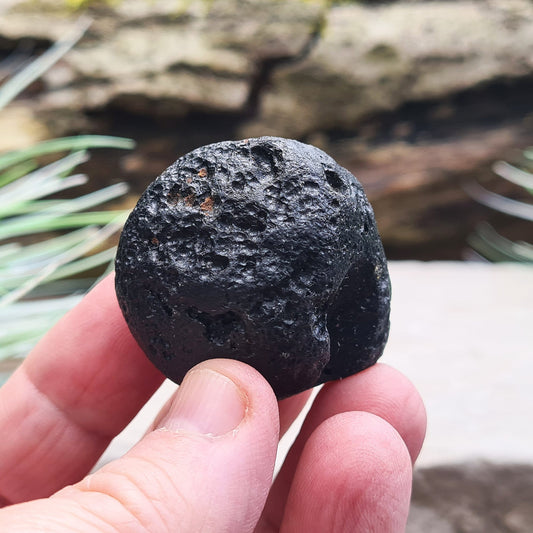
[414,97]
[263,250]
[472,497]
[372,58]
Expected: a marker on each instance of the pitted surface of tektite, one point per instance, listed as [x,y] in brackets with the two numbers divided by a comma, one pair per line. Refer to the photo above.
[263,250]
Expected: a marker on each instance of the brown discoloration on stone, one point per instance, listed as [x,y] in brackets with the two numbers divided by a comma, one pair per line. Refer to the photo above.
[189,200]
[202,172]
[207,205]
[173,198]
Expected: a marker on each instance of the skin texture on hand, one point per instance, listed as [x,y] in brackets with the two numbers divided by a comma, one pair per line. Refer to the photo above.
[207,463]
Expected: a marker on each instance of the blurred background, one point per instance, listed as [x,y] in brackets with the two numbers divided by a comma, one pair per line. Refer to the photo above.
[429,103]
[417,98]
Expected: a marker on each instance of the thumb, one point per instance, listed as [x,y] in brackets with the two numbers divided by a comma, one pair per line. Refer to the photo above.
[207,465]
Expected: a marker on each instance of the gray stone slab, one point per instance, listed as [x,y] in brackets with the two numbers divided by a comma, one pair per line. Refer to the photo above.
[462,332]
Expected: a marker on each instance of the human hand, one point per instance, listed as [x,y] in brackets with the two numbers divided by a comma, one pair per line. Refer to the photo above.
[207,463]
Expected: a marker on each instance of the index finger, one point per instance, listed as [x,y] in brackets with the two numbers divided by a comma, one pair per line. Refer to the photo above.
[79,387]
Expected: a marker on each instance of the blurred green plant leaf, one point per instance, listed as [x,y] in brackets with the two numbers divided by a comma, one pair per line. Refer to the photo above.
[486,241]
[17,83]
[51,248]
[500,203]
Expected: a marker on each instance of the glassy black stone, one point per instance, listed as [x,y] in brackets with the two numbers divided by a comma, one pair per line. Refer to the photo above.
[263,250]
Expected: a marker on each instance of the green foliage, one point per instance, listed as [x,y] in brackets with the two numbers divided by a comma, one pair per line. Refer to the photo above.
[486,240]
[52,249]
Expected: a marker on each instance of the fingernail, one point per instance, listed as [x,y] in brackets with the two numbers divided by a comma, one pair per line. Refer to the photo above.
[207,403]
